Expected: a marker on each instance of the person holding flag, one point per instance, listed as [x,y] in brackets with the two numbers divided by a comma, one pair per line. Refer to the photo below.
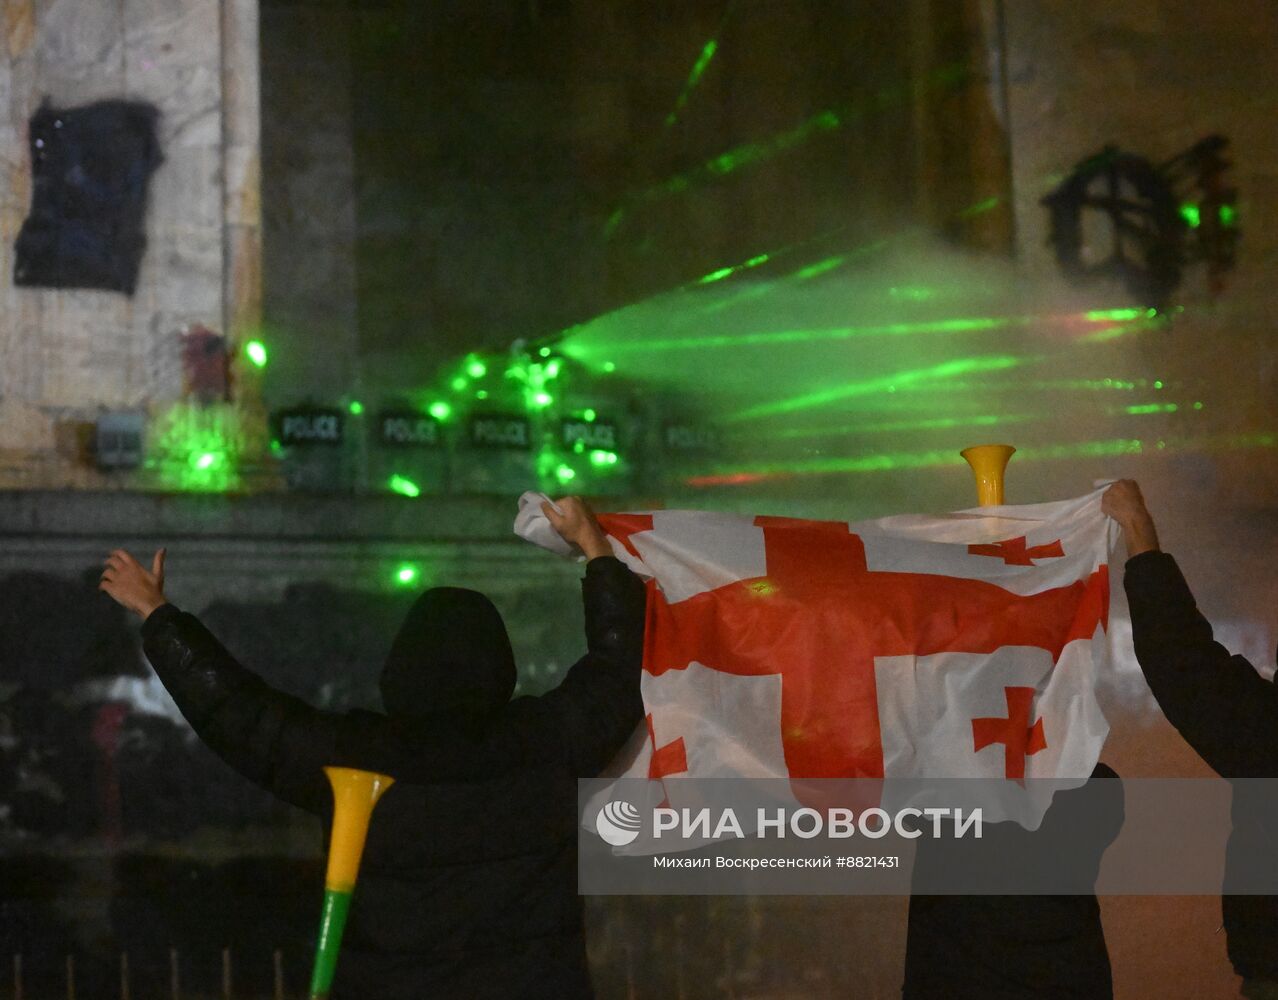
[468,883]
[1223,708]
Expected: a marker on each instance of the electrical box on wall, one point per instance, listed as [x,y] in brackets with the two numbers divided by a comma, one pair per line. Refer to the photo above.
[118,441]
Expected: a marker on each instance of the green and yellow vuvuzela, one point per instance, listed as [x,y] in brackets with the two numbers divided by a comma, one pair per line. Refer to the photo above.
[354,795]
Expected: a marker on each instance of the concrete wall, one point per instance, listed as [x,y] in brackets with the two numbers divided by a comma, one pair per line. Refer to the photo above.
[70,353]
[308,205]
[1153,77]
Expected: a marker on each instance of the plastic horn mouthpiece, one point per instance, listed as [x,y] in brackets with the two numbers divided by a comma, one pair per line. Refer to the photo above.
[989,465]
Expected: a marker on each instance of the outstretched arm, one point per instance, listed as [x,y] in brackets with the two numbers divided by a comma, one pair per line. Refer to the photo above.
[283,744]
[273,739]
[1218,702]
[598,705]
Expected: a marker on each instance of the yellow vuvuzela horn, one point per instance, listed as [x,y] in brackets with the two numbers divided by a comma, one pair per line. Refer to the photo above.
[989,463]
[354,795]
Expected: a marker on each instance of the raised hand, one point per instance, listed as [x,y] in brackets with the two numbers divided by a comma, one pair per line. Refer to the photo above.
[1124,503]
[576,523]
[129,584]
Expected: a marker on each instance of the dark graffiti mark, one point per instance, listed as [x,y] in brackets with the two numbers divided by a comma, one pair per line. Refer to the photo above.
[1120,216]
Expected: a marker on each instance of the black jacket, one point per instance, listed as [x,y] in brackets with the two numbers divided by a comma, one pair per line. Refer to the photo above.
[1229,714]
[1032,944]
[468,881]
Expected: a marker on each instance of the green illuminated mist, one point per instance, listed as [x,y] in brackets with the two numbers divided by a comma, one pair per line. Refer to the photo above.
[890,354]
[194,448]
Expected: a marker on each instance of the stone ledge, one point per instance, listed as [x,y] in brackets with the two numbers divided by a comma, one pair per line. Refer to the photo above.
[268,516]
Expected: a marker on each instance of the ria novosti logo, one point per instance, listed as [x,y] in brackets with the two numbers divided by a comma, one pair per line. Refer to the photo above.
[618,823]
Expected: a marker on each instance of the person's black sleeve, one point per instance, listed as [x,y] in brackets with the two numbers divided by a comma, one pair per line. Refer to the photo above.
[1225,710]
[598,705]
[273,739]
[283,744]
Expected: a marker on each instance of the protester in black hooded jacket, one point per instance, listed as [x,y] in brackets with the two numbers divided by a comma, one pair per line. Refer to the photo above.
[1223,708]
[468,882]
[1036,931]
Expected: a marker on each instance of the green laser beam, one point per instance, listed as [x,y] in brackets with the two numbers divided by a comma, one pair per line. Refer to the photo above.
[980,207]
[938,423]
[895,461]
[1118,315]
[1035,385]
[774,337]
[881,383]
[964,324]
[751,153]
[1104,448]
[727,272]
[698,70]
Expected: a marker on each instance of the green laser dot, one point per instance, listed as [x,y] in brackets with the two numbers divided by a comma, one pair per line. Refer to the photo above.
[440,410]
[544,352]
[256,352]
[403,486]
[356,407]
[407,574]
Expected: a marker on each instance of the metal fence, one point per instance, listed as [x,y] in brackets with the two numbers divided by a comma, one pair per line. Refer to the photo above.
[127,987]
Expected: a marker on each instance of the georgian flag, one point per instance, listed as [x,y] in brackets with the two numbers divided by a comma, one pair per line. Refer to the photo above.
[916,647]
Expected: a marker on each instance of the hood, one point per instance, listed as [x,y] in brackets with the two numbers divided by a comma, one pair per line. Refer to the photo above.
[451,654]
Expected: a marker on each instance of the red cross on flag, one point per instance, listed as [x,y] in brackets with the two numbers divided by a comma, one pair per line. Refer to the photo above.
[967,645]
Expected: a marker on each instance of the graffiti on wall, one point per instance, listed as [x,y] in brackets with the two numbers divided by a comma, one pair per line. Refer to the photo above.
[1120,216]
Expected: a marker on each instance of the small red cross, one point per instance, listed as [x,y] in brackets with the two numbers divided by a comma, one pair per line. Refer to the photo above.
[669,759]
[1014,552]
[1019,738]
